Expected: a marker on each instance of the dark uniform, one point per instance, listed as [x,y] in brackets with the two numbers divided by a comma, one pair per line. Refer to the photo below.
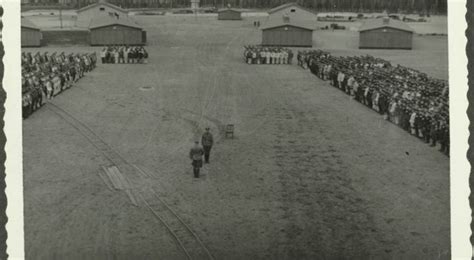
[445,139]
[434,132]
[207,141]
[195,154]
[26,104]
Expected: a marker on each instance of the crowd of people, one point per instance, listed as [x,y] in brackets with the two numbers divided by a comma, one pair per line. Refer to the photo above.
[254,54]
[124,54]
[44,76]
[409,98]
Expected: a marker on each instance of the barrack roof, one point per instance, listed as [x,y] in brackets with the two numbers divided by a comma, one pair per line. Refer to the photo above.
[28,24]
[102,2]
[106,20]
[292,4]
[373,24]
[292,21]
[229,9]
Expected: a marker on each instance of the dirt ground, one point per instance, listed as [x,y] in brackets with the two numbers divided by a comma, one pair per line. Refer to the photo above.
[310,173]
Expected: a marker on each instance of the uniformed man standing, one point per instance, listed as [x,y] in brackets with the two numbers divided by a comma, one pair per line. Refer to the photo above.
[25,104]
[195,155]
[207,141]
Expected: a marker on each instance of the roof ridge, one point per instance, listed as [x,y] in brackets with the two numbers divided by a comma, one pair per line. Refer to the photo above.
[379,23]
[283,6]
[102,21]
[25,22]
[295,22]
[277,8]
[102,3]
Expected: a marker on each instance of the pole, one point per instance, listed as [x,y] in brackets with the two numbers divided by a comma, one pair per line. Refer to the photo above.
[61,15]
[195,11]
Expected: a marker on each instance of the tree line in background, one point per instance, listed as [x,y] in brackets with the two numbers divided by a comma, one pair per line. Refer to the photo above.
[392,6]
[408,6]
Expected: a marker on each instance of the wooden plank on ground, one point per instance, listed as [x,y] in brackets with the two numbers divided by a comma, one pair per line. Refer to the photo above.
[131,197]
[123,183]
[105,179]
[110,177]
[122,179]
[114,178]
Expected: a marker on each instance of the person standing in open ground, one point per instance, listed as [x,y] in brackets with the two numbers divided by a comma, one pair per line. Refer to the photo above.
[195,155]
[207,141]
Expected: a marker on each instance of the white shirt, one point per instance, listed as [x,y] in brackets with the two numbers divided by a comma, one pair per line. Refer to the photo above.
[350,81]
[340,77]
[412,118]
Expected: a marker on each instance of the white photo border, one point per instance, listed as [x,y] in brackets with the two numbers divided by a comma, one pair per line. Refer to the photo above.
[461,247]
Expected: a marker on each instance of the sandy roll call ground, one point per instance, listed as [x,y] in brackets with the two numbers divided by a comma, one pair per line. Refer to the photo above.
[310,174]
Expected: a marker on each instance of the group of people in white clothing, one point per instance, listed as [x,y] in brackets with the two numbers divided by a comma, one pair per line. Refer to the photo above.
[267,55]
[124,54]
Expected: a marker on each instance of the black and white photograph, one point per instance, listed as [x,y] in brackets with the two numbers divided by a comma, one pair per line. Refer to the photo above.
[240,129]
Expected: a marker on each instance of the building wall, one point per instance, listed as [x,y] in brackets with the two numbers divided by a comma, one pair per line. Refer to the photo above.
[292,37]
[386,38]
[229,15]
[120,35]
[66,37]
[30,37]
[84,18]
[298,13]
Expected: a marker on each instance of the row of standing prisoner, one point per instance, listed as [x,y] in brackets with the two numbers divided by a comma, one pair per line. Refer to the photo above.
[47,75]
[406,97]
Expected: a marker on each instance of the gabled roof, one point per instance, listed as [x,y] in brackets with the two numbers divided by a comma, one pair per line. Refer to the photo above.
[292,4]
[102,3]
[229,9]
[28,24]
[278,22]
[373,24]
[106,20]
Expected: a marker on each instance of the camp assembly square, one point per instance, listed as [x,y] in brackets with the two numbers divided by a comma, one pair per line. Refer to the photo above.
[196,130]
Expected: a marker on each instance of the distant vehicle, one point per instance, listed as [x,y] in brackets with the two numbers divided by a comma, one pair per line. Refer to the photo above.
[335,18]
[413,20]
[336,26]
[394,16]
[210,10]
